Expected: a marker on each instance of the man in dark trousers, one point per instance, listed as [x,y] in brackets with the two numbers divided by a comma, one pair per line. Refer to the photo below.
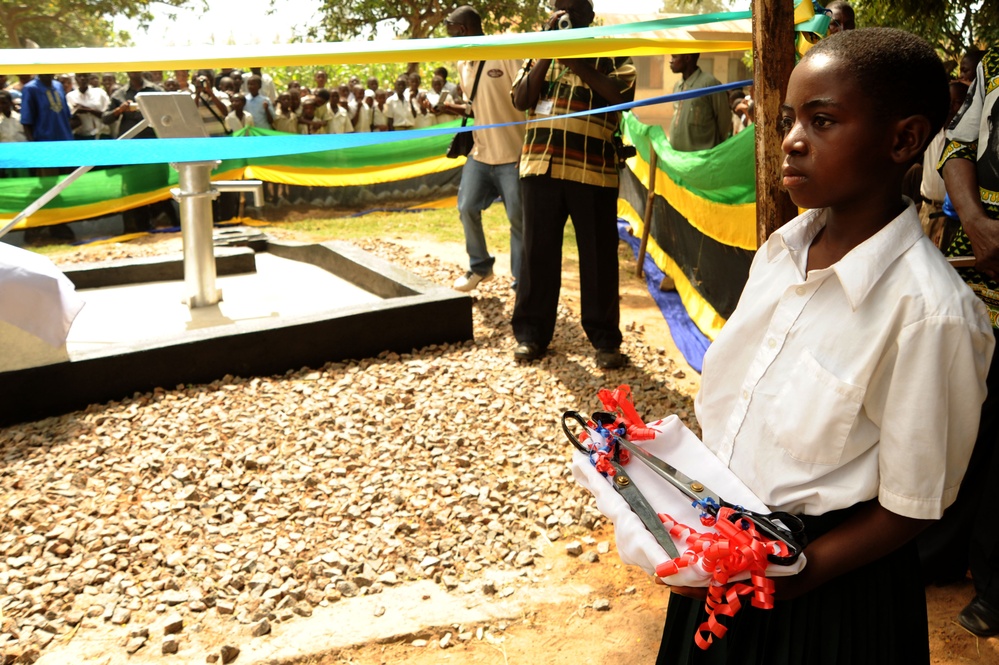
[569,169]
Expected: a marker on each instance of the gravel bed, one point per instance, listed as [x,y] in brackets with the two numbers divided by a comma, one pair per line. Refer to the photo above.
[257,499]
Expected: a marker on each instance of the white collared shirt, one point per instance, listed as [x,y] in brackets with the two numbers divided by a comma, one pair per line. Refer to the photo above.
[400,111]
[861,380]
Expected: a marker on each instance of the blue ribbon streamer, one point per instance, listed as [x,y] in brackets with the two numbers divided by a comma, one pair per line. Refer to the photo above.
[52,154]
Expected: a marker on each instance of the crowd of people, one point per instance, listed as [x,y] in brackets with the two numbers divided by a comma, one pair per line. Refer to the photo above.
[95,106]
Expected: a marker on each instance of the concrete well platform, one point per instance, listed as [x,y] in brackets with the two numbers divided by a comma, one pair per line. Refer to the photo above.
[290,306]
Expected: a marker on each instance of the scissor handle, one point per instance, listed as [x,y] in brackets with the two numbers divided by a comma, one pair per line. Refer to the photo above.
[782,526]
[574,415]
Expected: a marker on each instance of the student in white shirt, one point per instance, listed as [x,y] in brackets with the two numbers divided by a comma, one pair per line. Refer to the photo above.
[361,110]
[380,112]
[339,121]
[846,386]
[400,112]
[425,116]
[238,117]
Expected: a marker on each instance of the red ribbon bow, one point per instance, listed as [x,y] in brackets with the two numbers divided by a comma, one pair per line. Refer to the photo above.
[736,548]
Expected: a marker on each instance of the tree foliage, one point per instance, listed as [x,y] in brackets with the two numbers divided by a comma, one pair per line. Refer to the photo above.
[695,6]
[417,19]
[54,23]
[953,26]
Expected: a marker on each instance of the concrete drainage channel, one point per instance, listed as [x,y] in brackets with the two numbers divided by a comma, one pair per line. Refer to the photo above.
[306,324]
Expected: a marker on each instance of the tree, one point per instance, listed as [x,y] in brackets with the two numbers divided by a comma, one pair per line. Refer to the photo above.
[696,6]
[953,26]
[53,23]
[417,19]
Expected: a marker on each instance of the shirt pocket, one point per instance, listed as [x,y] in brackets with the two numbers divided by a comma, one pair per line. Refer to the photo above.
[814,413]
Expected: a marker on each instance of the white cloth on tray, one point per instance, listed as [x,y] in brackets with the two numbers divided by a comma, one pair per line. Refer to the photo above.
[679,447]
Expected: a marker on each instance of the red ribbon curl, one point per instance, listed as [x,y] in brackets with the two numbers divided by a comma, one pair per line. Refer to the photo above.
[736,548]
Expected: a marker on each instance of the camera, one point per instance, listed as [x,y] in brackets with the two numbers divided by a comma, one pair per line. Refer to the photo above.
[564,22]
[624,152]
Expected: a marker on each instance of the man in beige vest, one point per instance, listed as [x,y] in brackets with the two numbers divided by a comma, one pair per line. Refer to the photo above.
[492,168]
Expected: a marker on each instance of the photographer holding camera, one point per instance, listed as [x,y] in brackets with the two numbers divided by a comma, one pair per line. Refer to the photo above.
[569,169]
[123,105]
[212,104]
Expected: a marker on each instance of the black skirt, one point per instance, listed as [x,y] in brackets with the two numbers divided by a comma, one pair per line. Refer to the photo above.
[875,614]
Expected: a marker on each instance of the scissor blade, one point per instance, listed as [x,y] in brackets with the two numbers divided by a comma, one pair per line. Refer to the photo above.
[640,506]
[690,487]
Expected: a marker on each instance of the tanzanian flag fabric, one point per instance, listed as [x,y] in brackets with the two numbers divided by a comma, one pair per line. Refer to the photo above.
[703,229]
[406,169]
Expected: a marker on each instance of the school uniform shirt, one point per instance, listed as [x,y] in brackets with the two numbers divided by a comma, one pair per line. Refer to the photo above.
[323,113]
[339,122]
[577,149]
[285,122]
[859,381]
[424,120]
[306,128]
[234,123]
[492,105]
[364,117]
[400,112]
[702,122]
[11,130]
[46,110]
[379,116]
[95,99]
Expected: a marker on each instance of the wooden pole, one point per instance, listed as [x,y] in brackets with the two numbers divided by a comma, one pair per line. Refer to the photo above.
[773,60]
[649,201]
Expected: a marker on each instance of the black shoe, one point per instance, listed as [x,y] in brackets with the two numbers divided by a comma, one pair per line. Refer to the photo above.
[611,359]
[979,618]
[528,351]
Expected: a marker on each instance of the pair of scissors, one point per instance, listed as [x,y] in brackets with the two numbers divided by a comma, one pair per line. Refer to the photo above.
[628,490]
[780,526]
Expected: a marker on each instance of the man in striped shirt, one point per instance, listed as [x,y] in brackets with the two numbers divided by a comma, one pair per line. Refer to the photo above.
[568,168]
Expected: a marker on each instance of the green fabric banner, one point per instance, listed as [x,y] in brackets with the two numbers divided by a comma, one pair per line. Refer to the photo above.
[123,181]
[724,174]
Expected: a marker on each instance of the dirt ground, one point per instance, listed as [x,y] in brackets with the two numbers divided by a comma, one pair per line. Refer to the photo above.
[575,633]
[631,630]
[567,634]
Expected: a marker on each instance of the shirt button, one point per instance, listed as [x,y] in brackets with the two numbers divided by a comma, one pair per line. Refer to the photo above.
[800,290]
[771,342]
[745,394]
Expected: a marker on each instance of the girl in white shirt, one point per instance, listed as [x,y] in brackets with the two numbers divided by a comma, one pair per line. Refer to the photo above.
[847,384]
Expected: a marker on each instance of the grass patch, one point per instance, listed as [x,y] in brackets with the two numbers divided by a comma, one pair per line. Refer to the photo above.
[51,249]
[435,225]
[441,225]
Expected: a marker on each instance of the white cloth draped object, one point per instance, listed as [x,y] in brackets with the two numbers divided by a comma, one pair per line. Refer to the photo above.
[679,447]
[35,296]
